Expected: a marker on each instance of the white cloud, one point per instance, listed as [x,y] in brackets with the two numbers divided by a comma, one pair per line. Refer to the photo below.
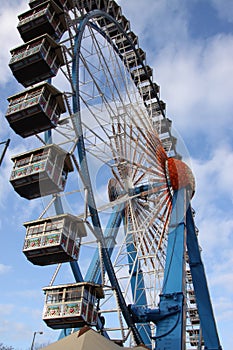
[148,21]
[4,269]
[6,309]
[213,202]
[224,307]
[223,276]
[194,75]
[196,84]
[214,178]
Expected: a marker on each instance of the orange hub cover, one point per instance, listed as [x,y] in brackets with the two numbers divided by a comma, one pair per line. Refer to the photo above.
[180,175]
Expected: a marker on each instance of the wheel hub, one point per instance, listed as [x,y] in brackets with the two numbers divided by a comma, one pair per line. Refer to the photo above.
[179,175]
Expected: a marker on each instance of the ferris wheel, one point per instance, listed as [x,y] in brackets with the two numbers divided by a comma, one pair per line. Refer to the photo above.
[116,192]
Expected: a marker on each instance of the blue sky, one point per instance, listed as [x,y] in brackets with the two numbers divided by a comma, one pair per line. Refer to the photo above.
[189,44]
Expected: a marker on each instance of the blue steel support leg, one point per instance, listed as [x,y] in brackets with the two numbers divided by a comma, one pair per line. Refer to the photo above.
[93,273]
[137,282]
[207,321]
[170,329]
[138,287]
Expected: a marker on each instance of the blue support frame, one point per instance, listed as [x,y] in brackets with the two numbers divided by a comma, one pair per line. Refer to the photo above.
[93,273]
[138,287]
[170,316]
[206,315]
[170,328]
[137,282]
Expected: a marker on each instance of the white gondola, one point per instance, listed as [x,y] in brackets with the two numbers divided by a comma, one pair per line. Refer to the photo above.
[191,295]
[133,59]
[67,4]
[125,44]
[44,18]
[72,305]
[40,172]
[37,60]
[53,240]
[112,29]
[90,5]
[149,92]
[35,110]
[140,75]
[194,317]
[194,337]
